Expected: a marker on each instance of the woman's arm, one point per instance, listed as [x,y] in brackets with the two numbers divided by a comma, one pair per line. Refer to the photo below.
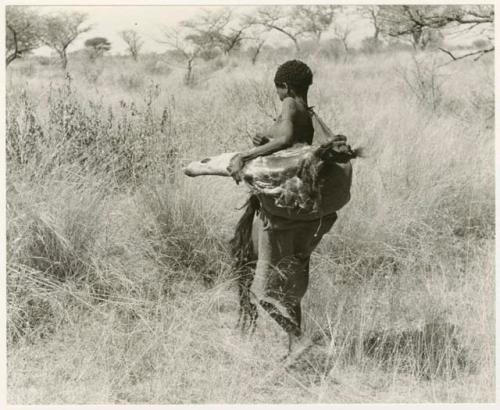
[283,131]
[285,138]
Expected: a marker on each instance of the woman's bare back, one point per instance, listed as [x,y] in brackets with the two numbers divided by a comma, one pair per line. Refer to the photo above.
[302,124]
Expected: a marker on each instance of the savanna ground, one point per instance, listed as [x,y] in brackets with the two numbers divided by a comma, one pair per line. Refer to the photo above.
[120,288]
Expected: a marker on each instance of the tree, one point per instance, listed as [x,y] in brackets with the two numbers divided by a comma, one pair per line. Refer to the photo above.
[255,51]
[133,41]
[277,18]
[184,47]
[60,30]
[97,46]
[482,16]
[416,22]
[313,20]
[216,30]
[372,13]
[342,33]
[404,22]
[22,32]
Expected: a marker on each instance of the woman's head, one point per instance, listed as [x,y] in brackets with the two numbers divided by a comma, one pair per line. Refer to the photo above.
[294,75]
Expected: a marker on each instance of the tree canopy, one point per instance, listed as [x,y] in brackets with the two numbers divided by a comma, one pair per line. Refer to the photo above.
[97,46]
[22,32]
[60,30]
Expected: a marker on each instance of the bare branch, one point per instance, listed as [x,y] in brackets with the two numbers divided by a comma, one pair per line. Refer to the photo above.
[478,53]
[133,41]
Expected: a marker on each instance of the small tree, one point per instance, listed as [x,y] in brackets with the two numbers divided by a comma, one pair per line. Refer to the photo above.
[133,41]
[372,13]
[255,51]
[183,47]
[342,33]
[96,47]
[22,32]
[59,31]
[216,30]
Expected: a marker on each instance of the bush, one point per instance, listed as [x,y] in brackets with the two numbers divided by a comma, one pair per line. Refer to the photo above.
[423,80]
[126,144]
[157,67]
[370,45]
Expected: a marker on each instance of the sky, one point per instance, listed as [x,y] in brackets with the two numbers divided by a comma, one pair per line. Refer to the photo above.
[148,21]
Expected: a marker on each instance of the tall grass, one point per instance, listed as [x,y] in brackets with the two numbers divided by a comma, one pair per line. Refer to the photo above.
[118,270]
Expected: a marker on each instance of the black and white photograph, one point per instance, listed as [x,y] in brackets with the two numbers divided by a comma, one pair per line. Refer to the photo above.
[249,204]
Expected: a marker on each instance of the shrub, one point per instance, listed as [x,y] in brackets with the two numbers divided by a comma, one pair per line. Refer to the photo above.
[423,80]
[131,81]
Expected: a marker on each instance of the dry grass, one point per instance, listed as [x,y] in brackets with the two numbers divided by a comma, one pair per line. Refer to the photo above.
[119,284]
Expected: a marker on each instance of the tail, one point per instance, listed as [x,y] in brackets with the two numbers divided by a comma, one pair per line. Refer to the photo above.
[241,243]
[244,264]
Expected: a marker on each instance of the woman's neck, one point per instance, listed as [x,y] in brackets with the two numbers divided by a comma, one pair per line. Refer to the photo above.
[301,98]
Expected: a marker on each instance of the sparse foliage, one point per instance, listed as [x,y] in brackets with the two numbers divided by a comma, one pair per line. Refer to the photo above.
[342,33]
[313,20]
[418,22]
[278,19]
[22,31]
[134,42]
[216,31]
[424,81]
[61,30]
[184,47]
[406,22]
[372,13]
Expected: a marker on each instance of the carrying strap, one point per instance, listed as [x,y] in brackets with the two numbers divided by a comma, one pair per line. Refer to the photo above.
[320,128]
[338,142]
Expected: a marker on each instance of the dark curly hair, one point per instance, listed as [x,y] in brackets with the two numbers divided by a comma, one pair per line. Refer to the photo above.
[295,73]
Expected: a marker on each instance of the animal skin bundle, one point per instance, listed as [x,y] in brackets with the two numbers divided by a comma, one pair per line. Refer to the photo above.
[303,179]
[302,182]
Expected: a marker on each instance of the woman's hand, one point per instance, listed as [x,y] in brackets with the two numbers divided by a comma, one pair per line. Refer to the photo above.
[235,167]
[259,139]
